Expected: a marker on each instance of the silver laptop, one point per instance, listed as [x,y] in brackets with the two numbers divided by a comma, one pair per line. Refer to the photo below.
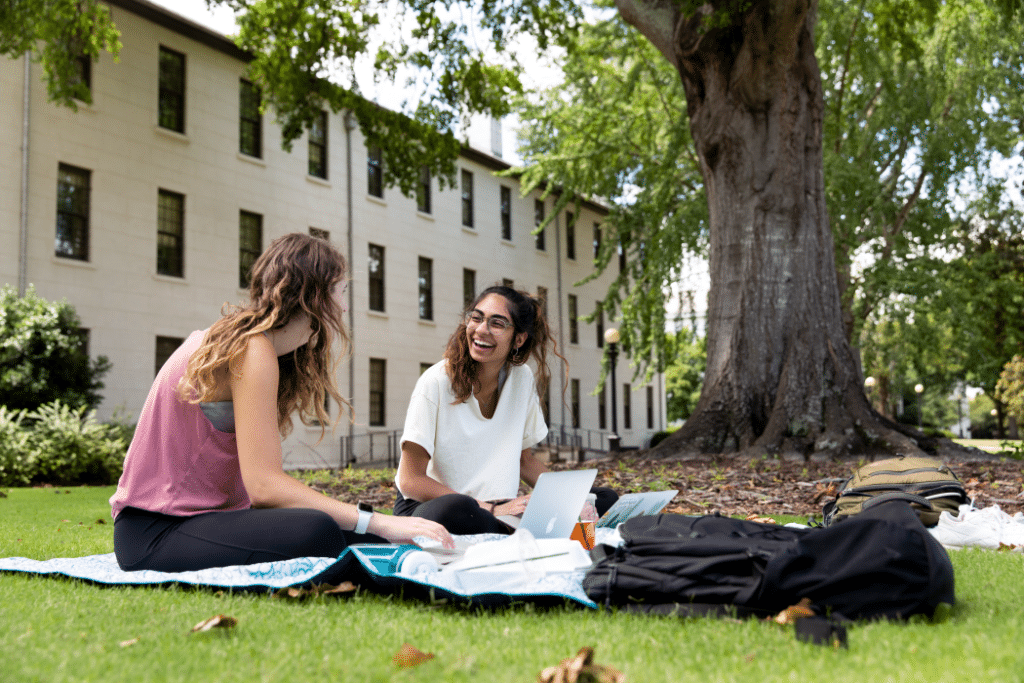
[555,503]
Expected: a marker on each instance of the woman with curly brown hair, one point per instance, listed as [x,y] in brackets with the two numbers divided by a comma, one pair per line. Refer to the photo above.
[203,483]
[474,418]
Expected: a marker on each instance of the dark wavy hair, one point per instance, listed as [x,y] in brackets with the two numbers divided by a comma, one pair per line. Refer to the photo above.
[527,313]
[295,275]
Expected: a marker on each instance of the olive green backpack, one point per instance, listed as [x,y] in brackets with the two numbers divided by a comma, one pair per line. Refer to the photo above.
[926,483]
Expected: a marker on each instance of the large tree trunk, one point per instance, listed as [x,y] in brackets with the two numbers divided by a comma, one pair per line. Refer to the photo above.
[781,375]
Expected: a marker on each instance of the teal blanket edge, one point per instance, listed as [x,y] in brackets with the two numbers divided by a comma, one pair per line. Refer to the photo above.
[372,567]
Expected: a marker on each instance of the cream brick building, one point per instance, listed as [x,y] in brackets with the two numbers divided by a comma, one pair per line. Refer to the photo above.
[143,208]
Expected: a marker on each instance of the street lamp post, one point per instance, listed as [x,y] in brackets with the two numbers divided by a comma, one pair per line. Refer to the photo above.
[611,337]
[919,388]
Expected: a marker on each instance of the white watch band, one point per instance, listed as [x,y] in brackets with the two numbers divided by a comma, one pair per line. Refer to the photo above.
[364,522]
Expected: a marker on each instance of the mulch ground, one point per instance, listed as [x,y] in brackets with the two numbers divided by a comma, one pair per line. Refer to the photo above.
[736,486]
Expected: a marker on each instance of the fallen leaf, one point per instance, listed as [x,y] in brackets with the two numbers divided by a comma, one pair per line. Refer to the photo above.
[793,612]
[219,621]
[581,669]
[408,656]
[101,521]
[128,643]
[2,494]
[761,520]
[343,588]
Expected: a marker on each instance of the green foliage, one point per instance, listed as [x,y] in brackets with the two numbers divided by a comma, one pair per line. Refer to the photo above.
[684,373]
[1010,388]
[42,355]
[60,445]
[57,33]
[983,422]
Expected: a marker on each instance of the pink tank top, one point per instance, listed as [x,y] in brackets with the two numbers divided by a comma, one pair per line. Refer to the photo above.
[178,463]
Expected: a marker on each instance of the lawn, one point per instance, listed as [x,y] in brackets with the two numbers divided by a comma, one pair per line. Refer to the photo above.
[66,630]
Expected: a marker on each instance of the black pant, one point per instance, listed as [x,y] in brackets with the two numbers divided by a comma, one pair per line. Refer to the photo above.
[150,540]
[461,514]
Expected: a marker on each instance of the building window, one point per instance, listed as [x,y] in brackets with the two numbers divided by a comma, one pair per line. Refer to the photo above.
[506,213]
[570,236]
[622,257]
[574,328]
[426,271]
[375,172]
[650,407]
[574,393]
[171,105]
[165,346]
[72,238]
[467,198]
[508,282]
[250,121]
[627,407]
[542,295]
[83,74]
[545,405]
[378,383]
[468,286]
[318,146]
[320,234]
[170,234]
[597,239]
[376,278]
[602,408]
[538,219]
[250,244]
[423,191]
[599,324]
[425,366]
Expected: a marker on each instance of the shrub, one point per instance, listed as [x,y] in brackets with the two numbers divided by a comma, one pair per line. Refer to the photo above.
[43,355]
[61,445]
[1010,388]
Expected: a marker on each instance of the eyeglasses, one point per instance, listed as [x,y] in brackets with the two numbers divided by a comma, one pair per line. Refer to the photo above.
[496,324]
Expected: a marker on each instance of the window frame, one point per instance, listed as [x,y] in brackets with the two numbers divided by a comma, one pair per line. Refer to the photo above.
[573,309]
[247,254]
[425,278]
[160,358]
[170,243]
[377,406]
[171,95]
[627,406]
[506,213]
[316,145]
[574,403]
[375,171]
[375,279]
[540,241]
[423,191]
[250,120]
[468,287]
[466,186]
[74,214]
[570,236]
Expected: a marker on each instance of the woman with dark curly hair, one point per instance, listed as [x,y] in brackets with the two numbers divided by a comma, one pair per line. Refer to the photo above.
[475,416]
[203,483]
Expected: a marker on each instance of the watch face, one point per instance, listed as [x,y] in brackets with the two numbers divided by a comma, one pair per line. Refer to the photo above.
[365,507]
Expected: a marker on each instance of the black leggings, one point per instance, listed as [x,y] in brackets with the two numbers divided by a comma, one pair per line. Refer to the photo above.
[150,540]
[461,514]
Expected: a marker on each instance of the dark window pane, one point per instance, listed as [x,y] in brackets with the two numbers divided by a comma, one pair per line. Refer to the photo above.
[250,122]
[72,233]
[318,146]
[423,191]
[170,234]
[426,281]
[467,199]
[375,172]
[538,218]
[506,213]
[570,236]
[165,346]
[376,278]
[250,244]
[468,286]
[574,330]
[171,104]
[378,385]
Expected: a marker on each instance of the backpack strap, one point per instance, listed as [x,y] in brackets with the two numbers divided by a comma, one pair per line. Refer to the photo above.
[897,495]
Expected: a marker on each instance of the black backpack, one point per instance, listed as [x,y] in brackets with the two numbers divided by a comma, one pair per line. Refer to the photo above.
[881,563]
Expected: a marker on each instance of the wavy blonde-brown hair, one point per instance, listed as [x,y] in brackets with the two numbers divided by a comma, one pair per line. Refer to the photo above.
[527,313]
[295,275]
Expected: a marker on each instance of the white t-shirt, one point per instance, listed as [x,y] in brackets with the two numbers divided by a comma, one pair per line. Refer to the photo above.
[469,453]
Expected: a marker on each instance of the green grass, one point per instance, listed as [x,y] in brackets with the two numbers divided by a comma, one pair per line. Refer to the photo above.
[66,630]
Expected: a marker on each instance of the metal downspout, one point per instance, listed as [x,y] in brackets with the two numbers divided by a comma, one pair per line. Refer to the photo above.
[561,338]
[23,227]
[350,124]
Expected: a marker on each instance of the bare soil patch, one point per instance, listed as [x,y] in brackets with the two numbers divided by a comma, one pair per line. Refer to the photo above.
[734,486]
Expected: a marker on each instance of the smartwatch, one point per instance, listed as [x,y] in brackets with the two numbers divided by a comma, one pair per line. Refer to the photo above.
[365,514]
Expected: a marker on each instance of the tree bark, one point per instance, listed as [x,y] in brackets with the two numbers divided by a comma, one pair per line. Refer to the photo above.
[781,375]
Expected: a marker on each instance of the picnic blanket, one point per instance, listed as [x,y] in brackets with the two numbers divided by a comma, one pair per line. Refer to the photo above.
[523,570]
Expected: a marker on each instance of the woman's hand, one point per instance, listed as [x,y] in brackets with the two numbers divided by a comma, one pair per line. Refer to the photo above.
[405,529]
[514,507]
